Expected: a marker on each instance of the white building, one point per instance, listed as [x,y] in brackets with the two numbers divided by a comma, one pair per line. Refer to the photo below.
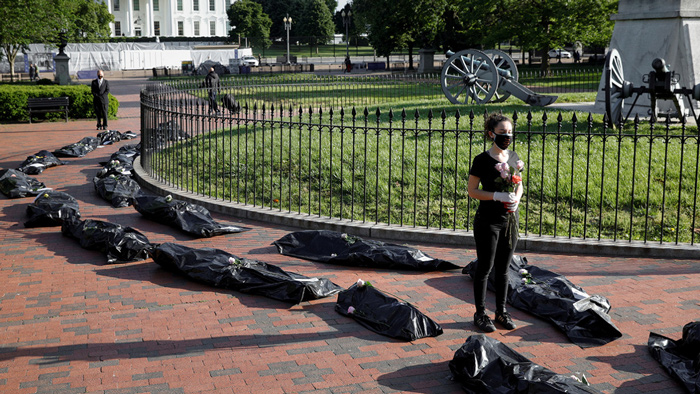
[151,18]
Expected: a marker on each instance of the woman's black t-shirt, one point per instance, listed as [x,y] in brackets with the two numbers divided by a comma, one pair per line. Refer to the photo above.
[484,167]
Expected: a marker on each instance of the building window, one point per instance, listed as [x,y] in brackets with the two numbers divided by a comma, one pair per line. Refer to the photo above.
[196,28]
[117,28]
[212,5]
[116,5]
[180,28]
[156,5]
[212,28]
[136,5]
[137,32]
[156,28]
[179,5]
[195,3]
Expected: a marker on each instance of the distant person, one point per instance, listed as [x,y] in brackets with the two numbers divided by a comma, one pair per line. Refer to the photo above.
[259,60]
[31,71]
[348,64]
[36,72]
[577,56]
[212,83]
[100,99]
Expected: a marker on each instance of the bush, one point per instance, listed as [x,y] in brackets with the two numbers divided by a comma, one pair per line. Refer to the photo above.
[13,102]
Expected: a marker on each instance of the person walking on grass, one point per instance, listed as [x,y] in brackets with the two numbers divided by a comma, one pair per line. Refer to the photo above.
[100,99]
[497,170]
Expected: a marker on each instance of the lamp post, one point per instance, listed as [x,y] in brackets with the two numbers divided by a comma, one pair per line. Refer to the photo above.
[346,13]
[287,26]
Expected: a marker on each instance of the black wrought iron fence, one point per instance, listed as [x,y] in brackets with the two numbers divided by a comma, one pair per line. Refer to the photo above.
[411,168]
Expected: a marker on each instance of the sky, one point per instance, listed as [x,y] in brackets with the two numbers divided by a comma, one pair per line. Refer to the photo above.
[341,4]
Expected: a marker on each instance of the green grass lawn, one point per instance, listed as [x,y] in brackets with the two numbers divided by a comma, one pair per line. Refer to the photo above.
[406,160]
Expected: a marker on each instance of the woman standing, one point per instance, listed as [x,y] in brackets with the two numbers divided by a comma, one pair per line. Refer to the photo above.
[495,222]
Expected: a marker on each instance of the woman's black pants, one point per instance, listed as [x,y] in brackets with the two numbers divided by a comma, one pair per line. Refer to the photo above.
[493,252]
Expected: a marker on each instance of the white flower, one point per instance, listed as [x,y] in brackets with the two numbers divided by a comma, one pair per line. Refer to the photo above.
[524,280]
[232,260]
[168,198]
[351,309]
[360,282]
[520,164]
[523,271]
[334,255]
[344,236]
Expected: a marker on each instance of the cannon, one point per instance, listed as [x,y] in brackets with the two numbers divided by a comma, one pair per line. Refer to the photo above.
[484,76]
[661,84]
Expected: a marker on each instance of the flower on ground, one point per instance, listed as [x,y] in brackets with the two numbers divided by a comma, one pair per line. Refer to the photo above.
[351,309]
[360,282]
[168,198]
[526,277]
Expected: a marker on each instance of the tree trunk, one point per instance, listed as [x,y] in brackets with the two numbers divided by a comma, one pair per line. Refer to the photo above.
[11,52]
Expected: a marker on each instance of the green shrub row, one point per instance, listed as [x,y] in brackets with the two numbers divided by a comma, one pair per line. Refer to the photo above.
[13,101]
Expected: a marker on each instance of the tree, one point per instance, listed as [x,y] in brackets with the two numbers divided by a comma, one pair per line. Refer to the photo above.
[277,10]
[548,24]
[315,22]
[30,21]
[250,21]
[462,30]
[90,21]
[394,24]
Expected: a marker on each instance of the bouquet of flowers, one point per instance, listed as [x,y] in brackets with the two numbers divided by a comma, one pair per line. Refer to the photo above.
[509,176]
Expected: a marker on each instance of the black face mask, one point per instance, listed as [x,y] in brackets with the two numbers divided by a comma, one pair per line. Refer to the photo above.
[502,140]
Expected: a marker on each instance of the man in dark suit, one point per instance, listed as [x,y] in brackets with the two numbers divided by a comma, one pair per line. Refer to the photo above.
[212,82]
[100,99]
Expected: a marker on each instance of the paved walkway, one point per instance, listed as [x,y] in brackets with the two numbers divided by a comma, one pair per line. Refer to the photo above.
[69,323]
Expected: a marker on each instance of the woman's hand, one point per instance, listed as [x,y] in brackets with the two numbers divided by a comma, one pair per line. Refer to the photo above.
[504,197]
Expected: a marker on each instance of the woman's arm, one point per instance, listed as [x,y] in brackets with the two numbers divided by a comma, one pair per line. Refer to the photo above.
[474,191]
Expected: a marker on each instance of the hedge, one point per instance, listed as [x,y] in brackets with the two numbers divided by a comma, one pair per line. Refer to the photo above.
[13,101]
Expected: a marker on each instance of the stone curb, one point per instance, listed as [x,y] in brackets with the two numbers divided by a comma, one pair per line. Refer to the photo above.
[547,244]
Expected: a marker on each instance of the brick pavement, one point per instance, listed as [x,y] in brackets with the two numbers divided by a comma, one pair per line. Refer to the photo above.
[69,323]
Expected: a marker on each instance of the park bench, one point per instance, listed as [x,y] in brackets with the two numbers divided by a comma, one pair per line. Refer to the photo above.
[48,104]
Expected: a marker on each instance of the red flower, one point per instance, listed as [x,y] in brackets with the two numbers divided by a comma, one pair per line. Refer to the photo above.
[517,179]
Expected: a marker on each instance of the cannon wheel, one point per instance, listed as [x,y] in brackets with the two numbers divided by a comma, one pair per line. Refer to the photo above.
[614,86]
[504,62]
[469,74]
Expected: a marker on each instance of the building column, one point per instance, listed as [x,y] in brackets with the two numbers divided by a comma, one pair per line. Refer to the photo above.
[129,19]
[149,19]
[173,21]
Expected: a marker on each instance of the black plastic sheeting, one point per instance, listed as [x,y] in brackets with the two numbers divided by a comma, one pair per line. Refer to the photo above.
[582,317]
[484,365]
[170,131]
[681,358]
[129,150]
[78,149]
[384,314]
[342,249]
[191,218]
[38,162]
[16,184]
[120,244]
[51,208]
[108,137]
[221,269]
[118,190]
[118,164]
